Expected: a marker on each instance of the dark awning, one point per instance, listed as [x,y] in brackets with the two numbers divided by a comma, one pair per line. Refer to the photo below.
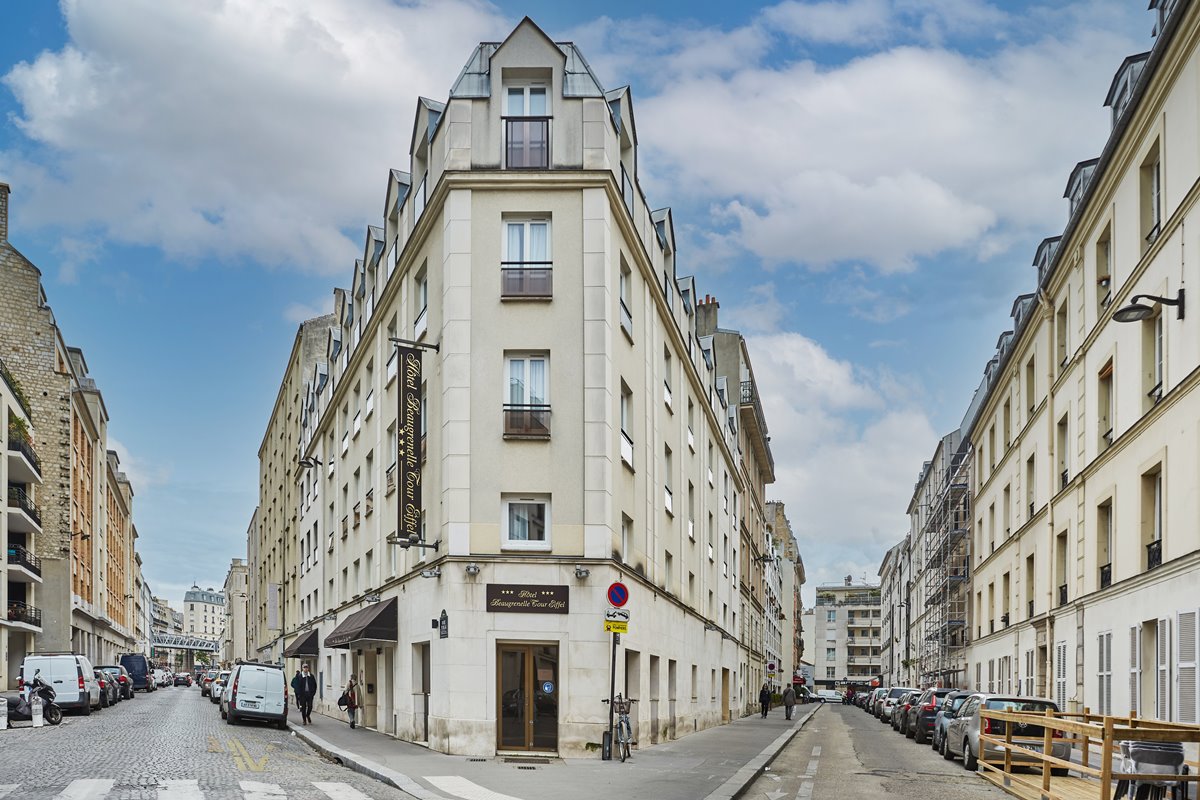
[377,623]
[304,645]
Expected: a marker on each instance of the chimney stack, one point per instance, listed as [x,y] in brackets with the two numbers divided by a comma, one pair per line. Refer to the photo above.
[706,316]
[4,190]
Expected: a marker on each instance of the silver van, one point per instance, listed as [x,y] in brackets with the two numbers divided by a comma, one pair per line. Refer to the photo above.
[71,675]
[256,691]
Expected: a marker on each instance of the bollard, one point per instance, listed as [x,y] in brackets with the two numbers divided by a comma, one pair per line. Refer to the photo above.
[35,706]
[3,713]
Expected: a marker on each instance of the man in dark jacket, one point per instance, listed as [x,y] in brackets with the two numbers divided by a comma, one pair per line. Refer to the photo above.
[304,685]
[764,697]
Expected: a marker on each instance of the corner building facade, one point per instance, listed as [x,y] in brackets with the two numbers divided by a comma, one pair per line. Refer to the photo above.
[574,434]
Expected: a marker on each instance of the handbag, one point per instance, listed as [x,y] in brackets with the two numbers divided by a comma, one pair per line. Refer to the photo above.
[344,700]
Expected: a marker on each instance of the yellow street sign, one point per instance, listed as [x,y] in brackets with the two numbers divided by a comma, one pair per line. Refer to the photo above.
[614,626]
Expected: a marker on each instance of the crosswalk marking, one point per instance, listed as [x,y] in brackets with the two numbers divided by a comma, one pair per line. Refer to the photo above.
[262,791]
[179,790]
[467,790]
[341,791]
[86,789]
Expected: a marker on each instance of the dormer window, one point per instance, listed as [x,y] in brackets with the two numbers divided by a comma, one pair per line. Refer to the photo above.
[526,127]
[1120,93]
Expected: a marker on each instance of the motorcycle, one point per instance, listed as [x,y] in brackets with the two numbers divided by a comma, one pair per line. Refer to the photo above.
[23,709]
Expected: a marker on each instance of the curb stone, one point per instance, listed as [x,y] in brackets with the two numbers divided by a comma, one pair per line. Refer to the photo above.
[750,771]
[364,765]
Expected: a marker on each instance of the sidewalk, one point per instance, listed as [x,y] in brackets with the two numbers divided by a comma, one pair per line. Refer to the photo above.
[715,764]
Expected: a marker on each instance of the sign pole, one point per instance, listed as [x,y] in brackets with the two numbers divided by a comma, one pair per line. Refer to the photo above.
[612,692]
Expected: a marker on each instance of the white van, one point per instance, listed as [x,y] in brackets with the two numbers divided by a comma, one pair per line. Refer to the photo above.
[71,675]
[256,691]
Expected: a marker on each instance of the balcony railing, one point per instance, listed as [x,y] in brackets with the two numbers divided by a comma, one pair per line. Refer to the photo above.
[21,557]
[1065,478]
[1154,554]
[1031,609]
[20,498]
[25,448]
[534,279]
[527,142]
[1106,576]
[527,421]
[1062,595]
[23,612]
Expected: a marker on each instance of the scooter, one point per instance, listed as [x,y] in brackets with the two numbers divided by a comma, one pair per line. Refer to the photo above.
[23,709]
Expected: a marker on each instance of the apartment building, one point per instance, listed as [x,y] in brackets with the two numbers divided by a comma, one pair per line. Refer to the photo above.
[893,645]
[204,613]
[20,525]
[515,407]
[234,642]
[85,598]
[792,577]
[847,640]
[1085,546]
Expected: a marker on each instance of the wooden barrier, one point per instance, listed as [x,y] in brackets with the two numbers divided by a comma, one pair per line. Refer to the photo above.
[1081,731]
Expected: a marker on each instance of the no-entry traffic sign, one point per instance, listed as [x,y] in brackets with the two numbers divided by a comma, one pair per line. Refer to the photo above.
[618,594]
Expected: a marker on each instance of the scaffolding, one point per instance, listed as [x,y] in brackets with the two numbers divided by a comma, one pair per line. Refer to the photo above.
[947,564]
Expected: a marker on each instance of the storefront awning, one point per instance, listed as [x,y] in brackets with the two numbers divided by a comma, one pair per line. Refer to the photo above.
[375,624]
[305,645]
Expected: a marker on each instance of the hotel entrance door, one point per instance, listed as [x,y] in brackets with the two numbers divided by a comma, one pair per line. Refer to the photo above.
[527,694]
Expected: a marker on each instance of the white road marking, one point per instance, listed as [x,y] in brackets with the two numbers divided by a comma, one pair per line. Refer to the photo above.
[816,751]
[467,790]
[89,789]
[341,791]
[8,788]
[262,791]
[180,790]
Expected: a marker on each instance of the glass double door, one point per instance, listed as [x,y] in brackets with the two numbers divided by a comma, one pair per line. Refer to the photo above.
[527,694]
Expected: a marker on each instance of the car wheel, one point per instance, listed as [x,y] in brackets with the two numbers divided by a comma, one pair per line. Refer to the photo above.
[970,762]
[230,718]
[946,754]
[223,714]
[919,734]
[87,707]
[282,725]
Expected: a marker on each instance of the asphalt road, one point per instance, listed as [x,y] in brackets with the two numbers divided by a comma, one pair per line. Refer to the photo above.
[166,745]
[845,753]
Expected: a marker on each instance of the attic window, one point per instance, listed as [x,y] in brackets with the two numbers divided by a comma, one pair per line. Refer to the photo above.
[526,127]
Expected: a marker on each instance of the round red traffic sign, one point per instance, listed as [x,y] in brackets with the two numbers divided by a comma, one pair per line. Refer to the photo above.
[618,594]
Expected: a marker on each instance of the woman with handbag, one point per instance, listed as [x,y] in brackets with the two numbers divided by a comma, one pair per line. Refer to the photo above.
[349,699]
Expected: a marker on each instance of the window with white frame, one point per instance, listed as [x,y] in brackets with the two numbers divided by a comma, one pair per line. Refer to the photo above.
[528,380]
[626,299]
[526,270]
[526,127]
[420,302]
[525,522]
[626,424]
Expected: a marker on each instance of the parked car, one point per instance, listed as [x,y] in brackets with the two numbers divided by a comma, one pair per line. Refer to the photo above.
[217,685]
[72,676]
[962,734]
[256,692]
[874,700]
[828,696]
[889,701]
[899,720]
[121,676]
[183,679]
[162,678]
[919,724]
[946,712]
[110,695]
[138,667]
[205,680]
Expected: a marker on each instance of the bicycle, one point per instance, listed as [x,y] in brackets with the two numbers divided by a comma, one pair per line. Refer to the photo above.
[622,706]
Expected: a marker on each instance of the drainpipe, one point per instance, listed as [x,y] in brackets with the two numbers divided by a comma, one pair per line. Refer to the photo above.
[1051,455]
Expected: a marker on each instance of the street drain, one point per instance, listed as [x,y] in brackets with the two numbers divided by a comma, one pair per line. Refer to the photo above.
[524,767]
[476,759]
[526,761]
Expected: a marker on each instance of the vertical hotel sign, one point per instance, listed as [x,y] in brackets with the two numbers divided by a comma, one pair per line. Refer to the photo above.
[408,442]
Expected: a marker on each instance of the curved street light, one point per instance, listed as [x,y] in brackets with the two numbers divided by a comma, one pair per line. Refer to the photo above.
[1135,311]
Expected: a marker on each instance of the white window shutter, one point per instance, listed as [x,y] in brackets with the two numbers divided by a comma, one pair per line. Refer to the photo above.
[1162,663]
[1102,673]
[1135,668]
[1060,675]
[1108,668]
[1187,703]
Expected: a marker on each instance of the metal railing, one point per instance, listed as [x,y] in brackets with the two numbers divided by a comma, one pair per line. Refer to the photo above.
[527,142]
[1106,576]
[1154,554]
[23,612]
[25,448]
[21,557]
[1062,595]
[1030,608]
[526,279]
[15,386]
[531,421]
[20,498]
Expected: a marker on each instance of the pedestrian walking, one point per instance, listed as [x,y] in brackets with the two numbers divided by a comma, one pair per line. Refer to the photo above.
[305,687]
[349,700]
[789,701]
[764,697]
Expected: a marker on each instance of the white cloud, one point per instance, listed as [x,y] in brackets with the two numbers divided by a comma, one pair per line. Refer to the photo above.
[300,312]
[142,473]
[763,311]
[857,22]
[258,128]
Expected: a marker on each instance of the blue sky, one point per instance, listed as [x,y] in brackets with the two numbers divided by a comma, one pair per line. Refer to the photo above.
[862,184]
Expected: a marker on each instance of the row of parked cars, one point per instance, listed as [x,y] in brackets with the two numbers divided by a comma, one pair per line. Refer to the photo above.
[949,720]
[248,692]
[83,687]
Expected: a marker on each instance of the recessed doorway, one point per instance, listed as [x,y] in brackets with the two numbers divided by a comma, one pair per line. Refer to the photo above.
[527,697]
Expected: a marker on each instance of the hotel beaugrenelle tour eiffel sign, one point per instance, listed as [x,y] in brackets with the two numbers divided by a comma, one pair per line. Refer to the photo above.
[528,599]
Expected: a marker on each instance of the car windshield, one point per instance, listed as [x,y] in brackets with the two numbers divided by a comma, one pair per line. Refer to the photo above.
[956,702]
[1020,705]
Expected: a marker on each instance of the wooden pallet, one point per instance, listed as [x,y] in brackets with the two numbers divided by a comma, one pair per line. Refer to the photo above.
[1029,786]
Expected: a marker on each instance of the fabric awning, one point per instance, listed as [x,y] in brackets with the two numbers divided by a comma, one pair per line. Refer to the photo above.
[305,645]
[375,623]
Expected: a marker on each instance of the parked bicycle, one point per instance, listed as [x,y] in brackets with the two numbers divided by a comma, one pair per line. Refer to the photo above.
[622,706]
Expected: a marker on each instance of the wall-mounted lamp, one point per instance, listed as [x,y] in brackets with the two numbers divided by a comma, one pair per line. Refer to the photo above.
[308,462]
[472,568]
[710,626]
[1135,311]
[372,598]
[767,559]
[436,572]
[83,537]
[582,572]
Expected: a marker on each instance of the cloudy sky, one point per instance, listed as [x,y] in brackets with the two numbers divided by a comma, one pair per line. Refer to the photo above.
[862,184]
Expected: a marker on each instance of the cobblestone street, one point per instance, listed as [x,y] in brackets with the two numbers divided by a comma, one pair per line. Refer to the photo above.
[170,745]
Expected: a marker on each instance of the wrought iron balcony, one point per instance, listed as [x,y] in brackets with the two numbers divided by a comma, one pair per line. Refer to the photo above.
[1030,609]
[527,142]
[527,421]
[1106,576]
[533,279]
[25,448]
[21,557]
[1154,554]
[20,498]
[1062,595]
[23,612]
